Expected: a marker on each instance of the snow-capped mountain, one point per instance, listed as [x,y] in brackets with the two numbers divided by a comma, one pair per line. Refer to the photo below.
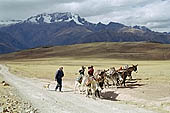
[56,17]
[49,18]
[68,28]
[141,28]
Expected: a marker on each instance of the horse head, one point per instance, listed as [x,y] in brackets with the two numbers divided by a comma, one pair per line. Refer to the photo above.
[135,68]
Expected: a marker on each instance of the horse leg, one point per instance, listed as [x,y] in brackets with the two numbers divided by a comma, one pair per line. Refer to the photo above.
[93,89]
[75,86]
[123,82]
[130,76]
[120,79]
[82,88]
[82,85]
[87,91]
[79,86]
[93,93]
[115,82]
[107,82]
[125,79]
[98,90]
[97,93]
[118,82]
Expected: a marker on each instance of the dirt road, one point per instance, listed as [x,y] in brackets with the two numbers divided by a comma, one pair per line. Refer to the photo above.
[49,101]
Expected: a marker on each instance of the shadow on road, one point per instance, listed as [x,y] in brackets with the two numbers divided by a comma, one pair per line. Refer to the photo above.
[109,95]
[71,90]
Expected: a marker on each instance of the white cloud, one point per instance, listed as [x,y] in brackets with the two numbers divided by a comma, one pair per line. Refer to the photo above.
[151,13]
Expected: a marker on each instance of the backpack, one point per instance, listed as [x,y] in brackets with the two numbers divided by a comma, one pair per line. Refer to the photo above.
[90,71]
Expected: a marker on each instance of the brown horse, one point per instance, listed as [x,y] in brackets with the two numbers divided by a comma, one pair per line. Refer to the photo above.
[124,75]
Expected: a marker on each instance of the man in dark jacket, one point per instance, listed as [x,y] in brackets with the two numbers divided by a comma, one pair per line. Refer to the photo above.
[58,77]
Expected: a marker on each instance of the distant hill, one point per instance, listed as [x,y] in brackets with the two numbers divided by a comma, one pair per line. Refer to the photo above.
[9,44]
[111,50]
[68,28]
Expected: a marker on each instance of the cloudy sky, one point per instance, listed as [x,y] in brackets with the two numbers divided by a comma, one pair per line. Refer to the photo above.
[154,14]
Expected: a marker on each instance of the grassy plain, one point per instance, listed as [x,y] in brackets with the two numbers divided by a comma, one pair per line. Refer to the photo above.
[150,89]
[46,67]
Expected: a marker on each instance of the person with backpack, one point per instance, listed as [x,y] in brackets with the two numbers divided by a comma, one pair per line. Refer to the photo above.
[58,77]
[82,70]
[90,71]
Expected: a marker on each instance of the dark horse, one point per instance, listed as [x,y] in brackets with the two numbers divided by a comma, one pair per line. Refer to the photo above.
[128,72]
[130,69]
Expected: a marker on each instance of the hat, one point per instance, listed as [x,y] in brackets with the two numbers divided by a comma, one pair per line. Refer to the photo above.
[61,67]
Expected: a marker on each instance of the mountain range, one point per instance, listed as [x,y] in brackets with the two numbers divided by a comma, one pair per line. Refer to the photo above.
[67,29]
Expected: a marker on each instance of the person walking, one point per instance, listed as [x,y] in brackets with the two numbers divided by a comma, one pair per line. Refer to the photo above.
[58,77]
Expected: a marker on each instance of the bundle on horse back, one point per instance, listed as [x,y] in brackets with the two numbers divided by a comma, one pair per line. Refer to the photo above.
[100,76]
[89,80]
[79,78]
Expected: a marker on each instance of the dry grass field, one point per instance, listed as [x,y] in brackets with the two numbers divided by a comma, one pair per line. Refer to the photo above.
[150,87]
[46,67]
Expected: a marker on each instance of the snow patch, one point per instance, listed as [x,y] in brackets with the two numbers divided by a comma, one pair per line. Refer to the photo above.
[47,19]
[75,18]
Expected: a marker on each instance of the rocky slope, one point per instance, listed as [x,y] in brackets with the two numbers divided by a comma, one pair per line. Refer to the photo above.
[11,101]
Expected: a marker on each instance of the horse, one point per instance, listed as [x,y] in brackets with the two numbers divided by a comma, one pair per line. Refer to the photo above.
[102,74]
[92,87]
[130,69]
[114,76]
[127,72]
[80,83]
[94,84]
